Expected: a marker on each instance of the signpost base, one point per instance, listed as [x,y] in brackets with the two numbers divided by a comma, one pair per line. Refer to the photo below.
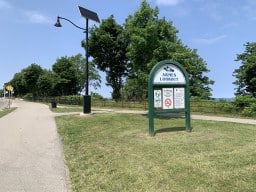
[87,104]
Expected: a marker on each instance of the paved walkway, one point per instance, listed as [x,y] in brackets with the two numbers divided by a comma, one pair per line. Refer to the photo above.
[224,119]
[31,158]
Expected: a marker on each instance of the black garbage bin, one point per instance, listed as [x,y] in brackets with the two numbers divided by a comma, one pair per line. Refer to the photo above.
[54,104]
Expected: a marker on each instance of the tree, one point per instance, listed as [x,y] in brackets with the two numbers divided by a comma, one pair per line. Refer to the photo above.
[67,77]
[246,74]
[107,46]
[31,75]
[151,40]
[79,64]
[46,84]
[19,85]
[67,80]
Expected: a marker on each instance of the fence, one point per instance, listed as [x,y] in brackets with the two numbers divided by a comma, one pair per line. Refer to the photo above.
[198,106]
[214,107]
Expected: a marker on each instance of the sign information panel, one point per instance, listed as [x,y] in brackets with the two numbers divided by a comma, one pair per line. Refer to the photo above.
[179,98]
[157,98]
[168,98]
[168,91]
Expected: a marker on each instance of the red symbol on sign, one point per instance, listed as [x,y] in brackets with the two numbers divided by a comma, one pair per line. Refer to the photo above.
[168,102]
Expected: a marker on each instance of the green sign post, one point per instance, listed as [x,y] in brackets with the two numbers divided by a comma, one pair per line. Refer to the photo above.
[168,92]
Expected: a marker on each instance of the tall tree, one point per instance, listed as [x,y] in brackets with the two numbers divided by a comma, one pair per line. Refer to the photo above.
[107,46]
[46,84]
[79,63]
[67,77]
[31,76]
[151,40]
[19,85]
[246,74]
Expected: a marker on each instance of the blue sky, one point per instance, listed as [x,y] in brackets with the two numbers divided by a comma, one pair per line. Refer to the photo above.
[217,29]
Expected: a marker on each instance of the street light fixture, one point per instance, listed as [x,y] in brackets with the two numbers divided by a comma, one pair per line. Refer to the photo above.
[87,14]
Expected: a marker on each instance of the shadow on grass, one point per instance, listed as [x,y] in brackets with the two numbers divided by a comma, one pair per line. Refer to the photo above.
[170,116]
[170,129]
[167,116]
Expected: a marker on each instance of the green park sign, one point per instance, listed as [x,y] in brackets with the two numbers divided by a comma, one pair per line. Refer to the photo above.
[168,92]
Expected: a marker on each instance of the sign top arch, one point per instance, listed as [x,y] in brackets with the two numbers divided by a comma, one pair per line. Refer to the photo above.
[168,72]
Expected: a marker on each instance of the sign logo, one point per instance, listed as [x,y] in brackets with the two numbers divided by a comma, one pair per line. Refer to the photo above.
[168,102]
[167,68]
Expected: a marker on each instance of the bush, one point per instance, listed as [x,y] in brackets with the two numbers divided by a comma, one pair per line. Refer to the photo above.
[28,97]
[71,100]
[243,101]
[250,111]
[246,104]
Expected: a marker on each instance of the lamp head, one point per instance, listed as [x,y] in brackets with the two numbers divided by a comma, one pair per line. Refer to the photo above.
[58,24]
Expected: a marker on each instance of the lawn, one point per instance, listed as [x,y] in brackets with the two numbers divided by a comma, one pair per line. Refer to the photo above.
[6,111]
[113,152]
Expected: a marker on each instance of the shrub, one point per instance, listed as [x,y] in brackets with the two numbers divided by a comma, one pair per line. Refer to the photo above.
[28,97]
[243,101]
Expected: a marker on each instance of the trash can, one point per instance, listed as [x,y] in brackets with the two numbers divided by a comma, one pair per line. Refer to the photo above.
[54,104]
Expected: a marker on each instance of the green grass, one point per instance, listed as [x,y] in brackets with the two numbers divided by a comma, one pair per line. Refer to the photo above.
[6,111]
[66,109]
[113,152]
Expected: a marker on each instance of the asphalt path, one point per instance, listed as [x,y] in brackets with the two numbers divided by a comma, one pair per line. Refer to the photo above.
[31,158]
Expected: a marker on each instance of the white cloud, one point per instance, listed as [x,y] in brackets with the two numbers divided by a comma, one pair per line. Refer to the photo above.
[4,4]
[36,17]
[209,41]
[168,2]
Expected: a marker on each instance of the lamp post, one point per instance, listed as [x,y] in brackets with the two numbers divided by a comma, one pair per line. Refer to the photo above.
[87,14]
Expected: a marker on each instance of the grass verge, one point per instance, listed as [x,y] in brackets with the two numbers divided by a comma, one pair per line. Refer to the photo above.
[66,109]
[113,152]
[6,111]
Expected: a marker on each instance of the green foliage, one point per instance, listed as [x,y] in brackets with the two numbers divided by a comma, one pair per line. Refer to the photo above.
[130,52]
[66,78]
[243,105]
[31,75]
[71,100]
[152,40]
[79,65]
[96,96]
[134,90]
[213,107]
[246,104]
[108,49]
[19,84]
[28,97]
[243,101]
[246,74]
[47,84]
[250,111]
[66,74]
